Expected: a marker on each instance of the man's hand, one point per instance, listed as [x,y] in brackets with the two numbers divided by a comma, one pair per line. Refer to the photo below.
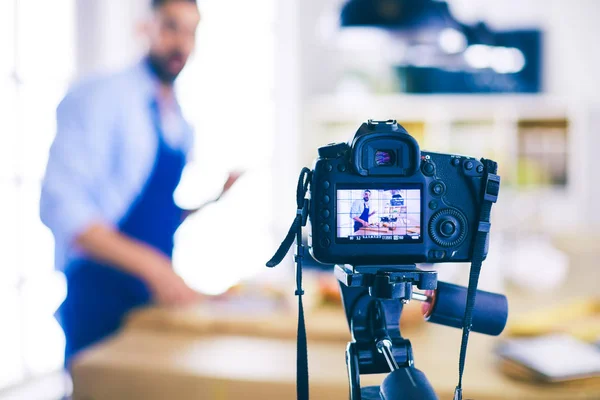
[365,223]
[231,180]
[106,244]
[167,287]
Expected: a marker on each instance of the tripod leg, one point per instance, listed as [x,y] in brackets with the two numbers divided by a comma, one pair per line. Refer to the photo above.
[353,371]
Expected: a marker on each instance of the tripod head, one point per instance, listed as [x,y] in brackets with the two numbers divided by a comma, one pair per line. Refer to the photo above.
[373,297]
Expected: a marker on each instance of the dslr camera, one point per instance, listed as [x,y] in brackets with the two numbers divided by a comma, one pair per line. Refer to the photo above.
[378,206]
[381,201]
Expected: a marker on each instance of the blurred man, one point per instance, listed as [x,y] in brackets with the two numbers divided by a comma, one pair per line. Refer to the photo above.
[107,196]
[361,211]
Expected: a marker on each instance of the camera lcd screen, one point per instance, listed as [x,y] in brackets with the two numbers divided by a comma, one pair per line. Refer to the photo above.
[370,215]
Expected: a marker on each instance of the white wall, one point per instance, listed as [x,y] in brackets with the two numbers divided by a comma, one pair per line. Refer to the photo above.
[288,102]
[106,34]
[576,36]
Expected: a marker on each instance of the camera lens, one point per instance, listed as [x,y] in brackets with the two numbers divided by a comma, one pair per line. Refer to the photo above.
[385,158]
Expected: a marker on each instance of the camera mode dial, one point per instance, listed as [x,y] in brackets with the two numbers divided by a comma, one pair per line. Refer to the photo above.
[428,167]
[448,227]
[333,150]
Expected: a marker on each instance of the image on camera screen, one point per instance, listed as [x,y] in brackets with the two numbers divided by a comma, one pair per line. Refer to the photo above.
[379,215]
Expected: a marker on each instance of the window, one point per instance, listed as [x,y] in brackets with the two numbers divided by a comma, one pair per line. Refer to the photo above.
[37,61]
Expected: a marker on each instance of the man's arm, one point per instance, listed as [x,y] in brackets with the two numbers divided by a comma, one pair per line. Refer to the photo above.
[356,211]
[80,159]
[357,219]
[112,247]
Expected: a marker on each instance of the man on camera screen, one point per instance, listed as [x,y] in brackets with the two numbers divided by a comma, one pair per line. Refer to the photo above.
[360,211]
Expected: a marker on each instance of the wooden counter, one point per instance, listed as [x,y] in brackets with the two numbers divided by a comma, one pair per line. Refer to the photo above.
[204,354]
[150,365]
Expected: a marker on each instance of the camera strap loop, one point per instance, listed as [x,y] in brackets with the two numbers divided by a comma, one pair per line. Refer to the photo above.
[489,197]
[295,232]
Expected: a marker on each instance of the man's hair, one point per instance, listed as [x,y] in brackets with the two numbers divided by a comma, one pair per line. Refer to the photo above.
[367,191]
[156,4]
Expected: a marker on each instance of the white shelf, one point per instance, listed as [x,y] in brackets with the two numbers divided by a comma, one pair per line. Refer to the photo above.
[334,118]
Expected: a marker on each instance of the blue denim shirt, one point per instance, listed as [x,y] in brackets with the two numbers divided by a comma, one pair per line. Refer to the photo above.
[103,153]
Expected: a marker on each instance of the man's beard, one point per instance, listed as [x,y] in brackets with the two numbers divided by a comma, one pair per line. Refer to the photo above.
[159,66]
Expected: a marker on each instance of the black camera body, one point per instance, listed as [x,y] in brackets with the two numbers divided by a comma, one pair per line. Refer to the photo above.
[378,206]
[381,201]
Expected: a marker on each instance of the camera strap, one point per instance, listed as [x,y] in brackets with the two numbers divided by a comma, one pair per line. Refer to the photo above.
[490,196]
[295,232]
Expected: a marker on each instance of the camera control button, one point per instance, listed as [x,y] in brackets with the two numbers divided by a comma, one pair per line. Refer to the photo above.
[437,254]
[342,167]
[455,162]
[469,165]
[326,185]
[325,242]
[325,213]
[438,188]
[326,228]
[328,167]
[326,199]
[480,168]
[448,228]
[428,168]
[433,205]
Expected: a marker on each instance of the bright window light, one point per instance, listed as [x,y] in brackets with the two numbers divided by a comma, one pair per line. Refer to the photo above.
[452,41]
[503,60]
[227,94]
[36,64]
[507,60]
[478,56]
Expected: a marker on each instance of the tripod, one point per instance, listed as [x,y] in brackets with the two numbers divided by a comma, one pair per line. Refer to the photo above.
[373,297]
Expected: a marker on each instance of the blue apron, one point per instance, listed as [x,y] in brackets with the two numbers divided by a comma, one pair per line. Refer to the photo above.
[99,296]
[364,216]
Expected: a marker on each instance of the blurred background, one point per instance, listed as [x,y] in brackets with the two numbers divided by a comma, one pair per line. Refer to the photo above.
[270,82]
